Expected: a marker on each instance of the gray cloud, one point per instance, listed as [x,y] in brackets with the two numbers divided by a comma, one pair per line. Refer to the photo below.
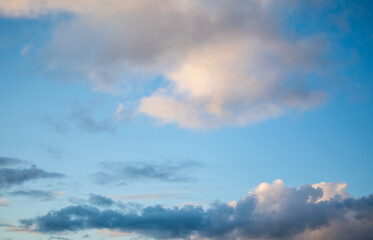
[122,172]
[100,200]
[85,120]
[10,177]
[272,212]
[7,161]
[82,118]
[38,194]
[53,151]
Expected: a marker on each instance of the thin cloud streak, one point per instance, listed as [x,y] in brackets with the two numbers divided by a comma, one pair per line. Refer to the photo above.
[37,194]
[166,171]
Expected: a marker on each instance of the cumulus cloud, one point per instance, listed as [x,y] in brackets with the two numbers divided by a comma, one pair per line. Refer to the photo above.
[235,81]
[332,190]
[226,62]
[272,211]
[122,172]
[10,177]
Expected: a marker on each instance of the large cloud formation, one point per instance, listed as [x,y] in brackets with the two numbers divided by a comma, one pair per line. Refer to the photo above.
[272,211]
[225,62]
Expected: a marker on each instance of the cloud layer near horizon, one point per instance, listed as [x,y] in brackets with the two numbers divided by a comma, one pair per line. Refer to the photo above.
[272,211]
[225,62]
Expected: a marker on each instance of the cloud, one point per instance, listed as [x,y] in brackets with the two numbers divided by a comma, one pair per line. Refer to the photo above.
[225,62]
[237,82]
[99,200]
[10,177]
[38,194]
[7,161]
[122,172]
[25,50]
[53,151]
[150,196]
[85,119]
[332,189]
[272,211]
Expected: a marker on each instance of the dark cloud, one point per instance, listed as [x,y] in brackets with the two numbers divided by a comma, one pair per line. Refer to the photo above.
[7,161]
[10,177]
[271,213]
[167,171]
[44,195]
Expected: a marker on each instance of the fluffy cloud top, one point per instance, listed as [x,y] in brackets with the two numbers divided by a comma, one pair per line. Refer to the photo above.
[272,211]
[226,62]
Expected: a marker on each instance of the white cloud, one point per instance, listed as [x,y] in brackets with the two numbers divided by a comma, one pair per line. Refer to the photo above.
[226,62]
[236,82]
[332,190]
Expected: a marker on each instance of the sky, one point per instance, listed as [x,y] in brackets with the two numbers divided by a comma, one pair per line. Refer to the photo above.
[186,119]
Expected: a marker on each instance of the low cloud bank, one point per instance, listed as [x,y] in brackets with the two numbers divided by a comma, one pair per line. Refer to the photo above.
[272,211]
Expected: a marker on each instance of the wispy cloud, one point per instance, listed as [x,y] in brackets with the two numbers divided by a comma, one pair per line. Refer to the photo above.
[85,119]
[272,211]
[10,177]
[124,172]
[8,161]
[25,50]
[154,196]
[53,151]
[37,194]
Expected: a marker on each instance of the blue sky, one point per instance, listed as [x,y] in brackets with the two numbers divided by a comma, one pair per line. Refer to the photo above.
[183,113]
